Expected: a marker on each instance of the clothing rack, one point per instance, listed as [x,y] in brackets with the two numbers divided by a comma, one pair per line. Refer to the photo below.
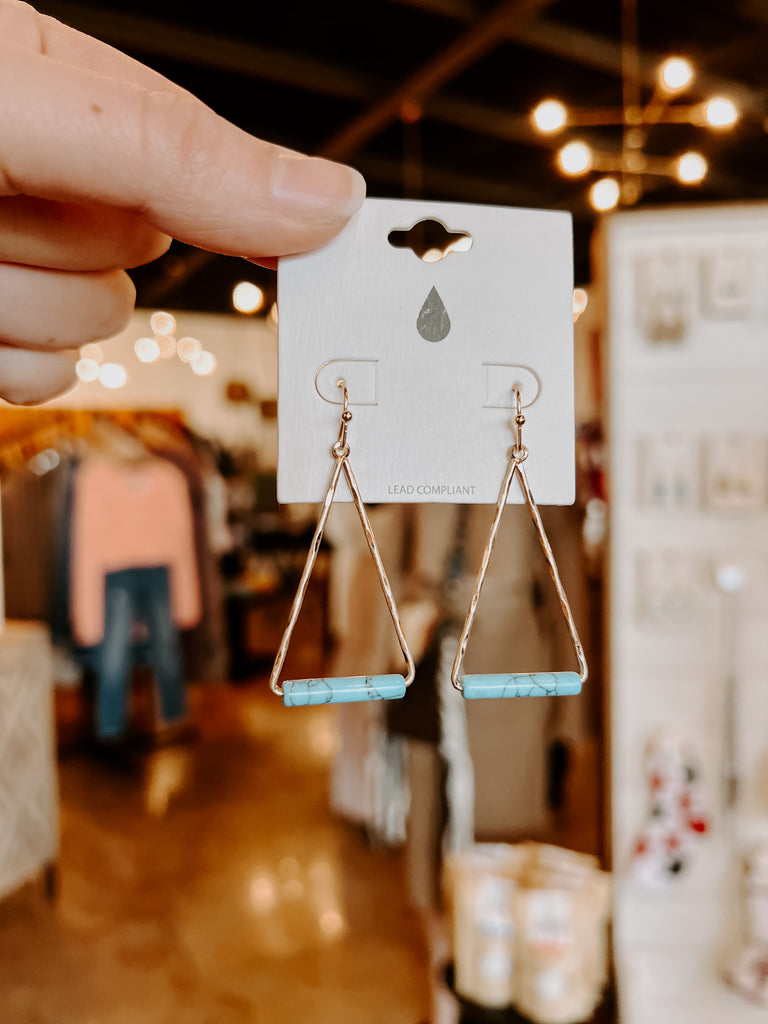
[25,433]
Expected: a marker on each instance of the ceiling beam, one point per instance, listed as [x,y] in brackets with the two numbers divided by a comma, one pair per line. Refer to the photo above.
[598,52]
[483,36]
[220,53]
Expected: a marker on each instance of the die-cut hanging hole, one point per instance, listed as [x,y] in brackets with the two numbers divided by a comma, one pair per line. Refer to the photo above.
[430,240]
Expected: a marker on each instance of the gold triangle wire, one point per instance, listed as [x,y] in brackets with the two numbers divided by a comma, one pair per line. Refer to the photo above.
[341,456]
[517,456]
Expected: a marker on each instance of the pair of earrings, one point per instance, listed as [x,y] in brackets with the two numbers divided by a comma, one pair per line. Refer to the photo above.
[301,692]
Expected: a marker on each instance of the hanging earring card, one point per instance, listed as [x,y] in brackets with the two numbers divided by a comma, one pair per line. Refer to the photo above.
[432,313]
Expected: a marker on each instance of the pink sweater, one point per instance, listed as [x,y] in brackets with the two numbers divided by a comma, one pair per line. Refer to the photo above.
[128,516]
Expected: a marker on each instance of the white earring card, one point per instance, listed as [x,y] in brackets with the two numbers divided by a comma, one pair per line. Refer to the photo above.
[432,313]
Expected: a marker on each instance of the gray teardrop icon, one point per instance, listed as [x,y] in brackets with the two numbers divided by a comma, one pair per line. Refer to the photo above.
[433,323]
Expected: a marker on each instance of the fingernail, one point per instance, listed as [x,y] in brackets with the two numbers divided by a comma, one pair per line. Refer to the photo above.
[311,188]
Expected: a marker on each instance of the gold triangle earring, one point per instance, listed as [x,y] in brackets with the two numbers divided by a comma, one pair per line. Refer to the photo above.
[519,684]
[341,689]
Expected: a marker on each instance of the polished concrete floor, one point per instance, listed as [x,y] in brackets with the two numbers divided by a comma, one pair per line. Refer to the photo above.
[209,883]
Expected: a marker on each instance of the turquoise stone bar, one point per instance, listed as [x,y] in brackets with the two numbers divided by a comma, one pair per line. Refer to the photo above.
[522,684]
[299,693]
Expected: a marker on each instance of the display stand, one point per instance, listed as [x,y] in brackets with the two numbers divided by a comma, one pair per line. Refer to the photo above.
[687,422]
[29,827]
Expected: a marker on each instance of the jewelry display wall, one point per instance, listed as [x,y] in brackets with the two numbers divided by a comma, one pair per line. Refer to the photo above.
[687,425]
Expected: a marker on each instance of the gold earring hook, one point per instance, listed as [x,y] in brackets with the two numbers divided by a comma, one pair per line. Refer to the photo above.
[341,448]
[519,451]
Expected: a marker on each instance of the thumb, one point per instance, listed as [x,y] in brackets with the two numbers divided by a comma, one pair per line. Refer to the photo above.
[69,133]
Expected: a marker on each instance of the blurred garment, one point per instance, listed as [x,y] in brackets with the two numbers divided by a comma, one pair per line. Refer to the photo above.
[132,514]
[137,598]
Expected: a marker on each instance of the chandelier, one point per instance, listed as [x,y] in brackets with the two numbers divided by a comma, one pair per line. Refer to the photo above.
[623,173]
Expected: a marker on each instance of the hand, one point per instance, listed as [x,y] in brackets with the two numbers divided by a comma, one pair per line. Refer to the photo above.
[102,161]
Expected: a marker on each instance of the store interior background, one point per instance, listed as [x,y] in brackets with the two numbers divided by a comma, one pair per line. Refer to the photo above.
[265,865]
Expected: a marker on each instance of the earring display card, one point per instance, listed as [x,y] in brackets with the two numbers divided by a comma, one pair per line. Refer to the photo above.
[735,474]
[431,313]
[664,294]
[669,473]
[727,284]
[670,586]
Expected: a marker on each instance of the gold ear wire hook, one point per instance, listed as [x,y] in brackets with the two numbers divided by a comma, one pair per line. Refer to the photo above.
[519,451]
[341,448]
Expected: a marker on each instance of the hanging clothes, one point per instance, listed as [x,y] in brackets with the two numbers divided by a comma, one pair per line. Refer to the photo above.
[134,514]
[137,596]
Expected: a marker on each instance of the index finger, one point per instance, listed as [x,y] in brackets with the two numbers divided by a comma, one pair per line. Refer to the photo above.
[71,133]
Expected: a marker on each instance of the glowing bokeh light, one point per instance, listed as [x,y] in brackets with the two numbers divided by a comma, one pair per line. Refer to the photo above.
[203,364]
[550,116]
[575,158]
[720,112]
[691,168]
[247,297]
[675,74]
[147,350]
[162,323]
[604,194]
[112,375]
[188,348]
[87,370]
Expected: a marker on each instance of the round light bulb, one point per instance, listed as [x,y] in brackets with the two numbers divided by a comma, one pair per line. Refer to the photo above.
[93,351]
[675,74]
[580,300]
[162,323]
[575,158]
[691,168]
[147,350]
[273,313]
[87,370]
[188,348]
[550,116]
[247,297]
[432,255]
[604,194]
[720,112]
[167,345]
[203,364]
[112,375]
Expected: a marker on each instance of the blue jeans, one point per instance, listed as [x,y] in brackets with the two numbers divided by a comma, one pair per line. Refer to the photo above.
[135,596]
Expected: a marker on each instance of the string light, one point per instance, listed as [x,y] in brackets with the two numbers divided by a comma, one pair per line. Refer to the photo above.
[112,375]
[604,195]
[147,350]
[575,158]
[691,168]
[203,364]
[273,313]
[247,297]
[166,344]
[162,323]
[550,116]
[188,348]
[87,370]
[94,352]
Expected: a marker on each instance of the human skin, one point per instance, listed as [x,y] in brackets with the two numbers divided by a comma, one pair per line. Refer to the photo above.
[102,163]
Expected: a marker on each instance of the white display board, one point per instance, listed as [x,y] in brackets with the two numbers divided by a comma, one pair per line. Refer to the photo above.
[430,351]
[687,426]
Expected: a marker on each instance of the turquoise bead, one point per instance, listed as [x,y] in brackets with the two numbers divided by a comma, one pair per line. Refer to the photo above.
[522,684]
[299,693]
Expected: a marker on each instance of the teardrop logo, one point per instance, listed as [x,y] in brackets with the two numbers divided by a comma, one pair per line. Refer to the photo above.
[433,322]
